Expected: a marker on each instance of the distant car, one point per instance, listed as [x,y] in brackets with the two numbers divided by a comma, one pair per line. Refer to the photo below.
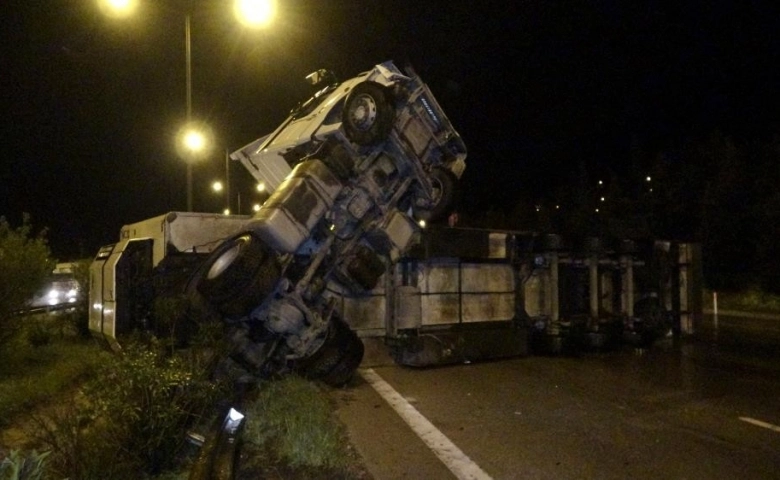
[60,289]
[379,111]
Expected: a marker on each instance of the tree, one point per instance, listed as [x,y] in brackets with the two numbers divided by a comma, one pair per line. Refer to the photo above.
[25,262]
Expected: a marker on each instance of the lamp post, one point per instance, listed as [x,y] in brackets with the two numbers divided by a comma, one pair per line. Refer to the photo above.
[250,13]
[188,79]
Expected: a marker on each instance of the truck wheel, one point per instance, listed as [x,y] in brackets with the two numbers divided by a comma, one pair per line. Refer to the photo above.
[445,186]
[368,114]
[239,275]
[338,358]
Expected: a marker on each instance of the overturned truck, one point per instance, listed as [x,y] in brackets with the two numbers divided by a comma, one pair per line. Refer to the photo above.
[340,254]
[353,171]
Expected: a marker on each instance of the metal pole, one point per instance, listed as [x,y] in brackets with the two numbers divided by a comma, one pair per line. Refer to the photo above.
[188,76]
[227,178]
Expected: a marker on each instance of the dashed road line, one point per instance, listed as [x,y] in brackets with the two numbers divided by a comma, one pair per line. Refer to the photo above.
[760,423]
[457,461]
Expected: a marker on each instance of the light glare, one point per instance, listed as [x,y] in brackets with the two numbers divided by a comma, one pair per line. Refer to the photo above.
[117,8]
[194,141]
[255,13]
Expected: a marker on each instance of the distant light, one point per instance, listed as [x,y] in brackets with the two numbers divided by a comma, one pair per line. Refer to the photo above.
[261,187]
[226,211]
[602,199]
[217,186]
[648,178]
[194,141]
[651,190]
[557,207]
[421,223]
[117,8]
[597,210]
[538,208]
[601,183]
[256,207]
[255,13]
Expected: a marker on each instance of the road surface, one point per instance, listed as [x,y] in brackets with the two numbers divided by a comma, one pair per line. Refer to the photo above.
[683,410]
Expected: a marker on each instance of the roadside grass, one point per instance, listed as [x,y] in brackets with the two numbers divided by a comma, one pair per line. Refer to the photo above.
[749,300]
[32,375]
[293,433]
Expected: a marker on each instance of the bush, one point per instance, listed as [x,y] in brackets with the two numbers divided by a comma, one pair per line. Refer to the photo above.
[133,416]
[25,262]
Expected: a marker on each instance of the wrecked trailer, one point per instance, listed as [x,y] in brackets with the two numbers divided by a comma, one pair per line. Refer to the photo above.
[464,295]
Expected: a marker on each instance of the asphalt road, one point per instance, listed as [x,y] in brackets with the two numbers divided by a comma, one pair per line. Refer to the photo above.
[682,410]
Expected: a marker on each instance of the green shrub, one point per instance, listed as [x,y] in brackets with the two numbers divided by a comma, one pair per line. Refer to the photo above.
[133,418]
[25,262]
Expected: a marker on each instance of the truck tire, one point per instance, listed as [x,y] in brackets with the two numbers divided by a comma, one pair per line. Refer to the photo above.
[338,357]
[368,114]
[239,275]
[445,187]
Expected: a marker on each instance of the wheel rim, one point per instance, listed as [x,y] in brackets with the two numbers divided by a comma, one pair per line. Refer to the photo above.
[363,113]
[223,262]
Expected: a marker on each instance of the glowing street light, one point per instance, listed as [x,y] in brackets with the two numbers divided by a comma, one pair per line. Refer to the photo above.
[117,8]
[217,186]
[261,187]
[255,13]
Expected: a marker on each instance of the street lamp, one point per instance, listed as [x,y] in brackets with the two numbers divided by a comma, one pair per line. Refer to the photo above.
[117,8]
[255,13]
[252,13]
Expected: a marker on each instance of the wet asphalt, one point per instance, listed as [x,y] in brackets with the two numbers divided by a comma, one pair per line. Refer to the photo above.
[703,407]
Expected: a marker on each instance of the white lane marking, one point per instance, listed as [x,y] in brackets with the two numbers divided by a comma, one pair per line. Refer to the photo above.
[457,461]
[759,423]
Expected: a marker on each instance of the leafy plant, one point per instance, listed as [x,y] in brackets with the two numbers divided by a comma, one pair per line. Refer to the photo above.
[25,262]
[20,466]
[133,417]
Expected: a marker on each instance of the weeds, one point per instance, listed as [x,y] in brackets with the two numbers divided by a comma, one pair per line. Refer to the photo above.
[295,417]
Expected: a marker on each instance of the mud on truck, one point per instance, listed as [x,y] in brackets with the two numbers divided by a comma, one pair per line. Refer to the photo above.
[353,171]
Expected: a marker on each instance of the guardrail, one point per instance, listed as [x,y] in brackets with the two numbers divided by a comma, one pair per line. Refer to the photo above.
[49,308]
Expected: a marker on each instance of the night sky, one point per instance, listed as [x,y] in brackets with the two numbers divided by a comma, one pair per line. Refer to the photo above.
[91,105]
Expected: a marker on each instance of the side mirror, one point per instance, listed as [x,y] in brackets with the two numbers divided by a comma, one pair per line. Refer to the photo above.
[321,76]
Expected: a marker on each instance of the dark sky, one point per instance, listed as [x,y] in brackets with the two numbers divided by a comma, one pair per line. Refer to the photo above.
[91,105]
